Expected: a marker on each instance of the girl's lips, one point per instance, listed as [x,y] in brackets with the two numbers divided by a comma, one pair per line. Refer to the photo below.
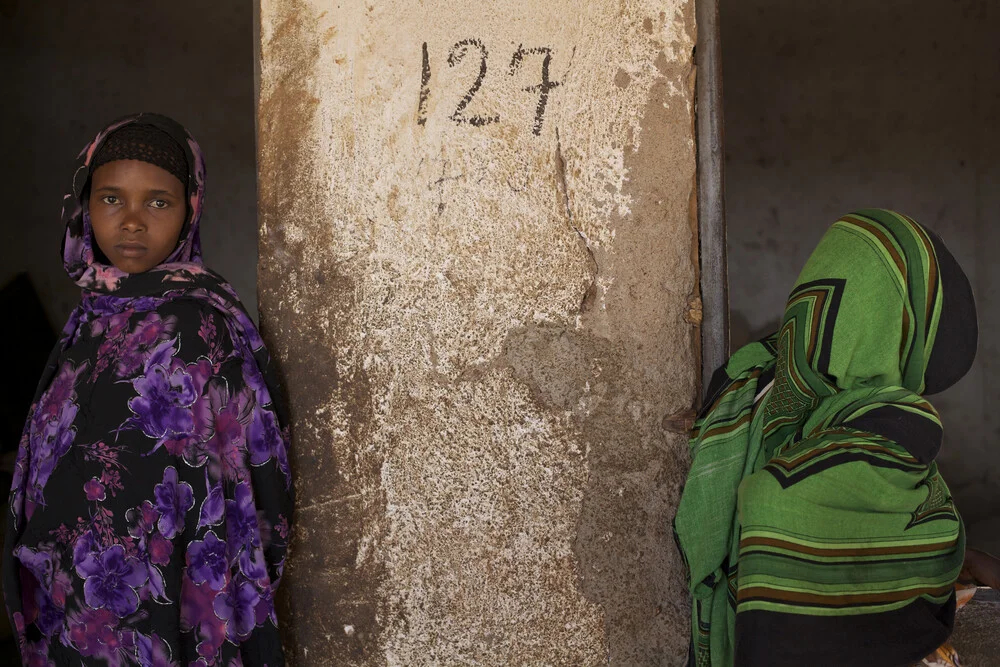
[131,249]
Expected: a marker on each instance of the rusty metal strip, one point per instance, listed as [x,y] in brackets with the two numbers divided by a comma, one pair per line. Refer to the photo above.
[711,192]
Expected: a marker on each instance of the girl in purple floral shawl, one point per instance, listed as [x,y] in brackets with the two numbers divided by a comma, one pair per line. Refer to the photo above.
[149,514]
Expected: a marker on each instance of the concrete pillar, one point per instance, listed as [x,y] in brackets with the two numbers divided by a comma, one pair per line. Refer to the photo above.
[478,270]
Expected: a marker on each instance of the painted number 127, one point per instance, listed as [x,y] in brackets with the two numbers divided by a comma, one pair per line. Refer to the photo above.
[457,54]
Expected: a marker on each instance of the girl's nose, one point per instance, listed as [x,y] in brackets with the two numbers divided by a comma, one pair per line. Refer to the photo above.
[133,221]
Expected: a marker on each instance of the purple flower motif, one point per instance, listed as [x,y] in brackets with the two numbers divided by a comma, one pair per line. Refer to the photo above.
[156,584]
[161,355]
[241,521]
[103,306]
[39,563]
[263,436]
[51,432]
[159,549]
[237,605]
[214,505]
[162,407]
[255,380]
[265,440]
[50,441]
[207,561]
[35,654]
[144,304]
[173,500]
[112,580]
[87,628]
[94,489]
[84,548]
[102,277]
[142,519]
[265,608]
[229,416]
[111,638]
[60,392]
[207,330]
[252,564]
[117,323]
[137,345]
[50,617]
[151,330]
[151,650]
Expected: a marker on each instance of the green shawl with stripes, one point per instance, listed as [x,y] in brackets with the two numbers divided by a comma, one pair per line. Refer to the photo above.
[795,505]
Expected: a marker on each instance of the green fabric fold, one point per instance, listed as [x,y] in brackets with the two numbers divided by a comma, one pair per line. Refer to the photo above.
[787,507]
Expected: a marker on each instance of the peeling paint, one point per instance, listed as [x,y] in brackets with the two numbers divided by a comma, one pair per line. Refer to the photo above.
[483,329]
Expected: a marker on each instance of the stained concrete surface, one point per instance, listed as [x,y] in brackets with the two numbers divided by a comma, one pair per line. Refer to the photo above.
[483,299]
[832,107]
[70,67]
[977,630]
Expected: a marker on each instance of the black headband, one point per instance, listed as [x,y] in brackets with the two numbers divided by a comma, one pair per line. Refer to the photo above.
[139,141]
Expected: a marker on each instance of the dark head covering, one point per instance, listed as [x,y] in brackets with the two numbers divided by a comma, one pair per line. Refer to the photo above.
[958,328]
[147,143]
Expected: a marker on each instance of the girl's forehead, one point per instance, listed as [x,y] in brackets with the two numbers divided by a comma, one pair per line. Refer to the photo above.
[134,173]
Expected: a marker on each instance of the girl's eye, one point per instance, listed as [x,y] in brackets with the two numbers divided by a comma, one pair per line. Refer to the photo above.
[158,203]
[110,200]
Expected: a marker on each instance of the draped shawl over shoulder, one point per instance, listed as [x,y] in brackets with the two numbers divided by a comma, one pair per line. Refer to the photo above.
[814,522]
[150,509]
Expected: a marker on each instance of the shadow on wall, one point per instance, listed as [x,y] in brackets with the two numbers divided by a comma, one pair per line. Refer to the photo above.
[69,68]
[23,352]
[832,107]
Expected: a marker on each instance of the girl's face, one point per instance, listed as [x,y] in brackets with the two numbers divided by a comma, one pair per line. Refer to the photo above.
[137,211]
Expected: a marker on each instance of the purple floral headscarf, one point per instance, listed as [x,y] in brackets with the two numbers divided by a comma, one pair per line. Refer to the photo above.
[151,503]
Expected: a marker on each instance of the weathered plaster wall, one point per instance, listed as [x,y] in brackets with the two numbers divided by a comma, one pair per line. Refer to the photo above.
[70,68]
[488,327]
[832,107]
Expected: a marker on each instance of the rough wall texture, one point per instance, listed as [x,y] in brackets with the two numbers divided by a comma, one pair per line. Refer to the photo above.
[68,69]
[478,269]
[906,121]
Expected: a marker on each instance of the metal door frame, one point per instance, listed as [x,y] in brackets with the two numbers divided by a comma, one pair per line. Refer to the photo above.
[714,278]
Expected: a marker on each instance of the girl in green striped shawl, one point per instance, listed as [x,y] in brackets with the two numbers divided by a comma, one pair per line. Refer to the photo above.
[814,521]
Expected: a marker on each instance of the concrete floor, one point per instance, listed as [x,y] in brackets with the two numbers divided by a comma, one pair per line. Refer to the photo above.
[977,630]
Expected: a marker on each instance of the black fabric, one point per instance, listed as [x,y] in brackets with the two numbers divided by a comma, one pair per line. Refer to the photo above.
[919,436]
[766,378]
[720,380]
[958,332]
[204,317]
[897,638]
[140,141]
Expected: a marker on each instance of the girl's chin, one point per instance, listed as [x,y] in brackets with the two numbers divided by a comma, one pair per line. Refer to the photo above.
[132,266]
[140,264]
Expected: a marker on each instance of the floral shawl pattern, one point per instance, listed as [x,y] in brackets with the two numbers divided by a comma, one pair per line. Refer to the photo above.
[151,503]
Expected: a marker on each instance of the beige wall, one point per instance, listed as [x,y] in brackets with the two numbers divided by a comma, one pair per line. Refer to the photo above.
[832,107]
[486,325]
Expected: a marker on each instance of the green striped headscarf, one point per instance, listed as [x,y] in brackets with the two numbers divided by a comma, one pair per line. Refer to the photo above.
[813,502]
